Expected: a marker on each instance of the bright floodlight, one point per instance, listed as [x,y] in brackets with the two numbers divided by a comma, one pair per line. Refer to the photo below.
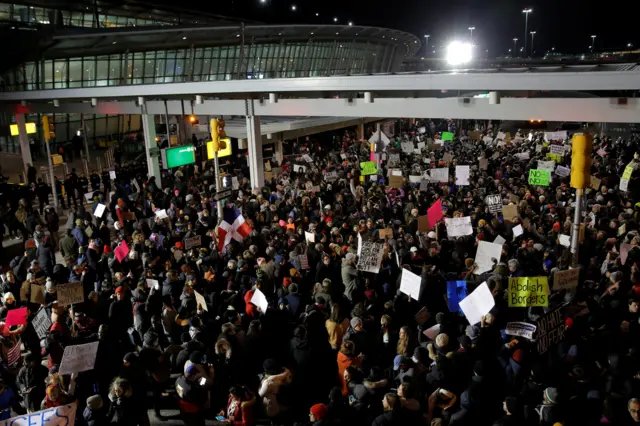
[459,53]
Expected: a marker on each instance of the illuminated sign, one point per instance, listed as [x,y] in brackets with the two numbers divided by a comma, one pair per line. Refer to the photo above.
[180,156]
[31,128]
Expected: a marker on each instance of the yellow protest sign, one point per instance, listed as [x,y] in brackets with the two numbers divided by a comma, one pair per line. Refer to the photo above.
[368,168]
[528,291]
[628,171]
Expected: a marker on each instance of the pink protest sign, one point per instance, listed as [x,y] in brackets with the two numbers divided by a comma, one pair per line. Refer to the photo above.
[435,213]
[16,317]
[122,251]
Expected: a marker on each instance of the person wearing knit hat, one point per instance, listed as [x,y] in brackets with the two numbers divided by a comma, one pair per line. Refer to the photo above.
[317,413]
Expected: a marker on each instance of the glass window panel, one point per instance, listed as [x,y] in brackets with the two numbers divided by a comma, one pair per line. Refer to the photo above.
[60,74]
[102,71]
[48,74]
[160,68]
[5,11]
[180,70]
[88,20]
[75,70]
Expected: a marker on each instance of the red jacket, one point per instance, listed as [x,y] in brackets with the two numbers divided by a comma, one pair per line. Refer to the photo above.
[250,309]
[242,415]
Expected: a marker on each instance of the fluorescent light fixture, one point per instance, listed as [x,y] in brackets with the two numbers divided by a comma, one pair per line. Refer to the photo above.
[459,53]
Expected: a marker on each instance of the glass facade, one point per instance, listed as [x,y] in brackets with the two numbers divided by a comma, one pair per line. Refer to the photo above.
[271,60]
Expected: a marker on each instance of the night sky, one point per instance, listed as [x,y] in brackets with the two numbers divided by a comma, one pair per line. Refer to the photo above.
[566,25]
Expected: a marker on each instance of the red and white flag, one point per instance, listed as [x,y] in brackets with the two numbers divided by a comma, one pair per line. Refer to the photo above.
[232,226]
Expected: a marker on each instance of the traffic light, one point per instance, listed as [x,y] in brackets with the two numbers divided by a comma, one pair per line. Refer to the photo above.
[218,135]
[214,134]
[581,161]
[193,120]
[48,130]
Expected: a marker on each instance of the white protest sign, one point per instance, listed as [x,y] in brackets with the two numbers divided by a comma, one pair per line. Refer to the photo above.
[485,252]
[41,323]
[522,156]
[432,332]
[521,329]
[421,145]
[438,142]
[235,185]
[370,257]
[494,202]
[556,149]
[487,139]
[477,304]
[624,184]
[439,175]
[415,179]
[563,171]
[260,300]
[462,175]
[517,231]
[546,165]
[78,358]
[63,415]
[307,158]
[151,283]
[555,136]
[99,210]
[200,301]
[310,237]
[359,244]
[69,294]
[112,175]
[458,226]
[299,169]
[331,176]
[410,284]
[422,130]
[407,147]
[501,135]
[161,214]
[499,240]
[88,196]
[565,240]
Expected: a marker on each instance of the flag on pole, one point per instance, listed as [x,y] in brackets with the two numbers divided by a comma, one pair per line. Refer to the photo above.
[232,226]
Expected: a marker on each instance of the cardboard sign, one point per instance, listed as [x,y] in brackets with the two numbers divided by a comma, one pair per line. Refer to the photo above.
[509,212]
[477,304]
[193,242]
[521,329]
[434,213]
[494,202]
[539,177]
[79,358]
[41,323]
[386,233]
[57,416]
[456,292]
[71,293]
[396,182]
[410,284]
[566,280]
[595,183]
[370,257]
[16,317]
[459,226]
[130,216]
[550,328]
[37,294]
[528,291]
[201,301]
[423,224]
[484,164]
[121,251]
[368,168]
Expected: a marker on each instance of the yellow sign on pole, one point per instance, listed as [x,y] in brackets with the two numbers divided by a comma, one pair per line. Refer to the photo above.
[56,159]
[528,291]
[222,153]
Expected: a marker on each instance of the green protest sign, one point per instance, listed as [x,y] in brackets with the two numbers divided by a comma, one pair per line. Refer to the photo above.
[368,168]
[447,136]
[539,177]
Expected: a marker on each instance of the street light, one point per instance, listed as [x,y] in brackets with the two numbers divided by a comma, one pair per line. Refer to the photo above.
[471,30]
[458,53]
[515,42]
[526,12]
[293,7]
[335,19]
[426,43]
[533,34]
[593,42]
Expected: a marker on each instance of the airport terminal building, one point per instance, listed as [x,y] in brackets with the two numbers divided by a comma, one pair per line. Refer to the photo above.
[58,44]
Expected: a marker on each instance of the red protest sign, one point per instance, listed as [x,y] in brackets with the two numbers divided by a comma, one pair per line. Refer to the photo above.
[16,317]
[121,251]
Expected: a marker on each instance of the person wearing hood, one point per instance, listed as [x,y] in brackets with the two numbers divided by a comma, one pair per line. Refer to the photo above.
[79,235]
[68,244]
[46,256]
[271,385]
[94,413]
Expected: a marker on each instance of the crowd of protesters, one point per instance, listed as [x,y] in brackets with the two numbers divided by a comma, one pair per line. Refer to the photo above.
[336,345]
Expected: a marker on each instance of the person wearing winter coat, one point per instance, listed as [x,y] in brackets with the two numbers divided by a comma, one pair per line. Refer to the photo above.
[239,411]
[68,245]
[346,358]
[31,382]
[349,276]
[94,413]
[46,256]
[274,379]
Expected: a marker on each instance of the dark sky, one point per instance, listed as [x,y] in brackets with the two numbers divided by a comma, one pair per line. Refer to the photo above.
[566,25]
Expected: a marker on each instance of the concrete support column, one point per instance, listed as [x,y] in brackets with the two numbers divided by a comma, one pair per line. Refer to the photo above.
[279,151]
[254,142]
[151,147]
[361,130]
[23,138]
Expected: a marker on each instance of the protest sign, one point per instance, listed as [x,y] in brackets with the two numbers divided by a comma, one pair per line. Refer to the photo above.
[522,156]
[509,212]
[566,280]
[304,262]
[16,317]
[370,257]
[307,158]
[546,165]
[69,294]
[456,292]
[539,177]
[484,164]
[439,175]
[434,213]
[494,202]
[407,147]
[151,283]
[513,198]
[423,224]
[64,415]
[499,240]
[555,158]
[556,149]
[360,244]
[421,145]
[310,237]
[432,332]
[563,171]
[484,253]
[487,140]
[394,172]
[628,171]
[396,182]
[517,231]
[89,196]
[624,184]
[99,210]
[37,294]
[385,233]
[121,251]
[78,358]
[161,214]
[459,226]
[112,175]
[368,168]
[595,183]
[189,243]
[260,300]
[415,179]
[41,323]
[462,175]
[565,240]
[555,136]
[521,329]
[622,230]
[434,146]
[201,301]
[424,184]
[477,304]
[550,329]
[410,284]
[129,216]
[447,136]
[331,176]
[528,291]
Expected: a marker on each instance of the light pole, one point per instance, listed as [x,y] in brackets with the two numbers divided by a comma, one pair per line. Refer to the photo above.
[471,30]
[630,46]
[426,44]
[533,34]
[593,42]
[515,43]
[526,12]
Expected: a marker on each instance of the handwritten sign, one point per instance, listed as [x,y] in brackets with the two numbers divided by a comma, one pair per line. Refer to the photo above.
[41,323]
[521,329]
[57,416]
[193,242]
[494,202]
[71,293]
[396,181]
[563,171]
[304,262]
[550,329]
[556,149]
[459,226]
[439,175]
[528,291]
[510,212]
[566,280]
[201,301]
[462,175]
[410,284]
[477,304]
[151,283]
[385,233]
[539,177]
[79,358]
[370,257]
[368,168]
[37,294]
[161,214]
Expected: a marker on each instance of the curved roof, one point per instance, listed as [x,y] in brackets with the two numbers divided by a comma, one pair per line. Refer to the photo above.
[88,41]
